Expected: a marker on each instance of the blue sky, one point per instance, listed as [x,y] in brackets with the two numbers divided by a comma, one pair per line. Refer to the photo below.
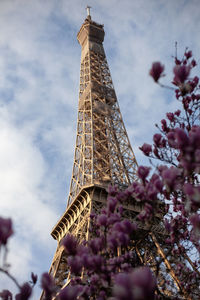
[39,80]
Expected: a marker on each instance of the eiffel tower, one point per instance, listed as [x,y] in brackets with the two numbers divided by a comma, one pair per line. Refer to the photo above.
[103,156]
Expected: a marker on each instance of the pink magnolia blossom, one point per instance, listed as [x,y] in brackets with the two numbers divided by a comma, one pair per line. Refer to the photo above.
[177,112]
[70,292]
[170,176]
[164,125]
[195,220]
[34,278]
[188,54]
[102,220]
[70,243]
[48,285]
[138,285]
[25,292]
[193,63]
[157,139]
[193,194]
[146,149]
[6,295]
[170,117]
[156,71]
[75,264]
[181,73]
[143,172]
[181,138]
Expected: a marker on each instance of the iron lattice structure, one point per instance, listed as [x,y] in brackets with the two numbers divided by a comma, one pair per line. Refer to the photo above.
[103,155]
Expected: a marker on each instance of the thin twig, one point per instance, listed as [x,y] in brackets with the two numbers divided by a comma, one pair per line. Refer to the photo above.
[166,86]
[10,276]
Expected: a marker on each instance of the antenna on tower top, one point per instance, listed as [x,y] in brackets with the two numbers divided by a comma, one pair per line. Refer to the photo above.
[88,10]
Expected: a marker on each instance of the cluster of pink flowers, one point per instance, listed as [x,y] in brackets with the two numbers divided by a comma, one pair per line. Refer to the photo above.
[97,270]
[107,265]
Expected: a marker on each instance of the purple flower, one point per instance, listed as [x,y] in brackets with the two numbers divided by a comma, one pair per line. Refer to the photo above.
[152,192]
[170,116]
[102,220]
[96,244]
[156,71]
[195,220]
[164,125]
[145,282]
[139,192]
[156,182]
[146,213]
[123,239]
[94,279]
[167,225]
[70,292]
[70,243]
[188,54]
[138,285]
[48,285]
[146,149]
[158,185]
[102,295]
[6,295]
[5,230]
[34,278]
[143,172]
[177,61]
[193,194]
[112,203]
[157,139]
[197,156]
[189,189]
[156,153]
[194,137]
[112,190]
[87,261]
[82,249]
[177,112]
[113,219]
[119,227]
[113,242]
[75,264]
[193,63]
[170,176]
[128,227]
[181,138]
[97,263]
[171,139]
[25,292]
[181,73]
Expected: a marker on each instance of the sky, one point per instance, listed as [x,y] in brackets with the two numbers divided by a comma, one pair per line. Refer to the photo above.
[39,82]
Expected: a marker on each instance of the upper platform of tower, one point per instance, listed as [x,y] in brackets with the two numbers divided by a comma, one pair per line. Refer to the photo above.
[91,31]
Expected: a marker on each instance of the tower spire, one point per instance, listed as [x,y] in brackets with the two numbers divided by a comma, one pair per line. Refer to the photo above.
[88,10]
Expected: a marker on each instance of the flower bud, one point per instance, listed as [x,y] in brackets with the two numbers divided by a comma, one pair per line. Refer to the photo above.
[156,71]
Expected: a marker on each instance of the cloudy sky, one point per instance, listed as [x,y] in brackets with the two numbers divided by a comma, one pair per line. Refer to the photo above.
[39,80]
